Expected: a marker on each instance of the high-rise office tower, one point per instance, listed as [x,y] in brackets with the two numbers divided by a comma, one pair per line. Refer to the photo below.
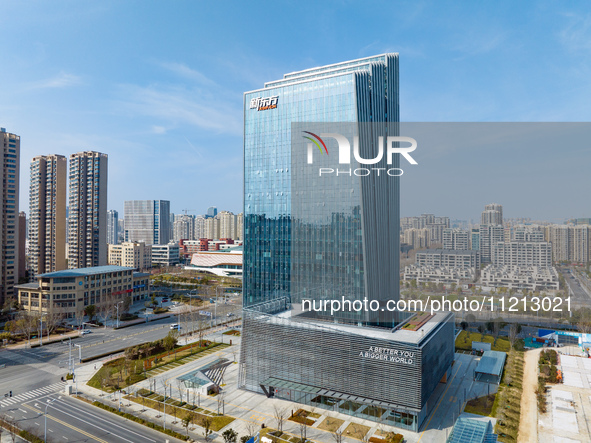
[47,214]
[112,227]
[212,211]
[9,228]
[87,217]
[328,238]
[147,221]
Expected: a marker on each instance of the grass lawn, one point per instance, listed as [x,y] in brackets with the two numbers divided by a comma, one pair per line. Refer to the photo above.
[356,430]
[464,342]
[331,424]
[217,421]
[481,405]
[114,375]
[507,405]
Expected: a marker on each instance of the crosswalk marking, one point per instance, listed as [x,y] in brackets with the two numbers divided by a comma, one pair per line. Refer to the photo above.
[25,396]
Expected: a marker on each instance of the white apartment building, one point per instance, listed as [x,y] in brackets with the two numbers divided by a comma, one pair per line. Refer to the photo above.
[570,243]
[47,214]
[417,238]
[87,219]
[489,235]
[532,278]
[527,233]
[183,227]
[9,212]
[455,238]
[166,255]
[520,253]
[438,258]
[136,255]
[444,275]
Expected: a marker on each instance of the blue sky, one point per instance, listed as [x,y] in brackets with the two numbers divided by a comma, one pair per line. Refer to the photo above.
[158,87]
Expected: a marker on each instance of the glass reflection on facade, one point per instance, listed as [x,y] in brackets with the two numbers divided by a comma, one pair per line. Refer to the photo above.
[365,256]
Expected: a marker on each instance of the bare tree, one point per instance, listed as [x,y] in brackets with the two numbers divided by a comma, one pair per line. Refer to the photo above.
[52,320]
[251,427]
[179,387]
[201,327]
[205,423]
[279,413]
[104,310]
[79,318]
[337,435]
[303,428]
[514,330]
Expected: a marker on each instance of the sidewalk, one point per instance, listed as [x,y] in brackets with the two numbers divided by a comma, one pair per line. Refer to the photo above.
[53,338]
[87,371]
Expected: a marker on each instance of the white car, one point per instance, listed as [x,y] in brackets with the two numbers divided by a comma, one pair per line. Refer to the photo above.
[85,331]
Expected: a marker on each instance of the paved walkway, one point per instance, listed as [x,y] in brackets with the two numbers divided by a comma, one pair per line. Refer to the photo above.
[528,422]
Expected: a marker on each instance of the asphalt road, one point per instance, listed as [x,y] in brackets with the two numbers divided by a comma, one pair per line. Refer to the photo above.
[71,420]
[37,371]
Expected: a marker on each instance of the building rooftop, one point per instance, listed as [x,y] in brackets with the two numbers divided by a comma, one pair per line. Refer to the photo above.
[81,272]
[210,259]
[491,363]
[414,337]
[448,251]
[469,430]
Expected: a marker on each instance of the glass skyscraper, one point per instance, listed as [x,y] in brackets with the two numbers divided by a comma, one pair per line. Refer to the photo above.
[309,236]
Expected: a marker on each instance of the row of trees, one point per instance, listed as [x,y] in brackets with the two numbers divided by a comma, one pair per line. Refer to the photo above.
[27,324]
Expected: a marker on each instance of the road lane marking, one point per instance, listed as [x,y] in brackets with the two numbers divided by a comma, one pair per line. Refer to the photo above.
[98,417]
[68,425]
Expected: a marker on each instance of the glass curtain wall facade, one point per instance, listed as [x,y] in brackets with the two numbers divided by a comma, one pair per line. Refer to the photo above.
[289,255]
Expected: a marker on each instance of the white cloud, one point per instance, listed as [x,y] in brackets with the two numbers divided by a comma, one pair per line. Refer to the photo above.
[183,70]
[61,80]
[180,106]
[576,36]
[158,129]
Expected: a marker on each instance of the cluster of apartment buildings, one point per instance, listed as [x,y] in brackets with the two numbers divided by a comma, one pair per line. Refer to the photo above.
[71,237]
[516,256]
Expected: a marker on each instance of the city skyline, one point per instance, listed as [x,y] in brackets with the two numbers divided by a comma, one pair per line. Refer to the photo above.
[173,108]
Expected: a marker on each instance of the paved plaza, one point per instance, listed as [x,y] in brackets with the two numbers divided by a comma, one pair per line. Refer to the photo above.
[253,410]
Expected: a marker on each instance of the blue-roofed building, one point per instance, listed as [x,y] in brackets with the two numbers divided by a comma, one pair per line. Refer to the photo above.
[490,367]
[68,292]
[470,430]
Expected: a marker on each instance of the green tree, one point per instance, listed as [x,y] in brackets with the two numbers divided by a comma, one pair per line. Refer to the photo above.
[230,436]
[90,310]
[170,341]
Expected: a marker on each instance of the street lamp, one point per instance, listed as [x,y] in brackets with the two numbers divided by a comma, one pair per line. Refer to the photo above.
[117,306]
[46,406]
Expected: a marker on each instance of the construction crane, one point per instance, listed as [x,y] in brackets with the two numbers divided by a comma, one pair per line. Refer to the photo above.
[186,211]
